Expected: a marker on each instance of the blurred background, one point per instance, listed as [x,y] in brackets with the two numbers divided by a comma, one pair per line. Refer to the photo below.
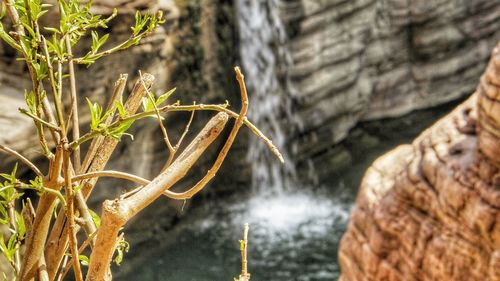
[334,84]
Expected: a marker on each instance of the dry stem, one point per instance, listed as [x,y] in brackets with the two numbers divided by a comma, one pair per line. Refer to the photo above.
[70,217]
[225,149]
[23,159]
[117,212]
[244,276]
[74,106]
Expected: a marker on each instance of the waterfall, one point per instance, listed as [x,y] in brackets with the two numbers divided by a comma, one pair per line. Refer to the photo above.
[265,59]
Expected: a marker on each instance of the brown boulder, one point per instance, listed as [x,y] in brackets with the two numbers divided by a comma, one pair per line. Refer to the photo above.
[431,210]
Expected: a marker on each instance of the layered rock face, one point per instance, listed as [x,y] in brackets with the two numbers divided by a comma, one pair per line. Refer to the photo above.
[431,210]
[366,59]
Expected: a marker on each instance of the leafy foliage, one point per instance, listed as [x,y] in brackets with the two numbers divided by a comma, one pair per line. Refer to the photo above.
[42,51]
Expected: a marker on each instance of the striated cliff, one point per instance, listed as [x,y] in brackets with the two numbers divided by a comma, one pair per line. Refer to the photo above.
[323,66]
[431,210]
[365,59]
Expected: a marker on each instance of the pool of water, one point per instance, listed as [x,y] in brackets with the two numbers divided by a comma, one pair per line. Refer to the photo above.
[293,236]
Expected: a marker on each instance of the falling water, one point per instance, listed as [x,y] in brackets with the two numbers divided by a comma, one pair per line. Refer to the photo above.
[265,59]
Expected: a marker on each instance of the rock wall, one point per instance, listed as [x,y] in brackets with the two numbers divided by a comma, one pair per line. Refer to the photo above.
[370,59]
[314,70]
[431,210]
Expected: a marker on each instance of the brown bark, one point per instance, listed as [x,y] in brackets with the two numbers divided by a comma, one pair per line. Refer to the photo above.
[117,212]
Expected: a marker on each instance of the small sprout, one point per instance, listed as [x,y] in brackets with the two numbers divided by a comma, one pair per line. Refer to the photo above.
[122,247]
[95,218]
[84,260]
[98,42]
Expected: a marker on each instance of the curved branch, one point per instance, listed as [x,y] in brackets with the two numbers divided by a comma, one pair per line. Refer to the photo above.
[176,108]
[225,149]
[125,176]
[111,174]
[23,159]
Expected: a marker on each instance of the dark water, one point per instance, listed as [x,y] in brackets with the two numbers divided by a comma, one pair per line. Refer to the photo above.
[294,231]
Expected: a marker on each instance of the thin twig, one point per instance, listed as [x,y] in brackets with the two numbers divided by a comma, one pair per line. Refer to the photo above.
[130,177]
[171,150]
[73,242]
[74,106]
[244,276]
[186,130]
[64,264]
[23,159]
[179,142]
[112,174]
[39,120]
[53,84]
[229,142]
[85,244]
[118,89]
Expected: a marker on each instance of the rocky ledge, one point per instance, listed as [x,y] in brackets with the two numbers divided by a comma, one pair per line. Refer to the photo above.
[431,210]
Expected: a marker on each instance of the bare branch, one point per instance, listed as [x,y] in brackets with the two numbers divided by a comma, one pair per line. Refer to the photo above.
[117,212]
[118,89]
[244,276]
[74,106]
[70,216]
[171,150]
[179,142]
[229,142]
[40,120]
[112,174]
[23,159]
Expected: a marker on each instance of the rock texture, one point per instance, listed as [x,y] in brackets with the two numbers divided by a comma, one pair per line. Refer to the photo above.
[431,210]
[365,59]
[331,64]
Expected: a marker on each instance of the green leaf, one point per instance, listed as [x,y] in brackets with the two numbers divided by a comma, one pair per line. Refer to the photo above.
[147,103]
[3,10]
[98,42]
[30,99]
[52,29]
[95,114]
[21,227]
[84,260]
[121,130]
[7,252]
[95,218]
[161,99]
[122,247]
[121,109]
[12,242]
[4,219]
